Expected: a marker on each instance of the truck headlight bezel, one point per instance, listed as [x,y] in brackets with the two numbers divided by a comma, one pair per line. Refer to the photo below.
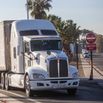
[38,76]
[75,75]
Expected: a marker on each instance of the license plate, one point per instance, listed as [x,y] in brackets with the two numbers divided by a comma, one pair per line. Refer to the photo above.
[58,85]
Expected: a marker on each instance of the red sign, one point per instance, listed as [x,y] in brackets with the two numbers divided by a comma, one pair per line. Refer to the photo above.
[91,47]
[90,38]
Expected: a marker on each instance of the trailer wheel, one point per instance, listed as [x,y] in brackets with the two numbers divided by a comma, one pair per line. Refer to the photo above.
[3,80]
[7,87]
[72,91]
[28,90]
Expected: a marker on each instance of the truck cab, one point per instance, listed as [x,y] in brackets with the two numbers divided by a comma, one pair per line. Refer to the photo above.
[37,59]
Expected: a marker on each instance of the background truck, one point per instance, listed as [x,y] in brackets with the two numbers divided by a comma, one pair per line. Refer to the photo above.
[32,58]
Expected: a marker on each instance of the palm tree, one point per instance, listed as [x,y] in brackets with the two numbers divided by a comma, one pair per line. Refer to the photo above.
[56,21]
[38,8]
[69,31]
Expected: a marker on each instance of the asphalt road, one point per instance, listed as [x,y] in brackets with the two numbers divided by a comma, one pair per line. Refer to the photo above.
[88,92]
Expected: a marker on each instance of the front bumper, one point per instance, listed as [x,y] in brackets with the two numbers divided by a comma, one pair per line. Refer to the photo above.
[48,84]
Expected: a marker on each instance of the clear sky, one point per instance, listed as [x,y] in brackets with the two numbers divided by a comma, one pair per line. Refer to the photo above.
[88,14]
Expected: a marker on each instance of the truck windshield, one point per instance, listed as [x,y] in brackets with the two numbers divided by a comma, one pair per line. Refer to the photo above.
[40,45]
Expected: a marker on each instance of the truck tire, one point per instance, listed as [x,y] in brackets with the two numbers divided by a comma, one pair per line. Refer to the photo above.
[72,91]
[3,80]
[28,90]
[7,87]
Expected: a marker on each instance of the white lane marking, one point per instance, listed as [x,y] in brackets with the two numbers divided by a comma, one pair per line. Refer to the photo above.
[5,98]
[32,100]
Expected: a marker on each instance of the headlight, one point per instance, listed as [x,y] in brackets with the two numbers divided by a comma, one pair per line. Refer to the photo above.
[75,75]
[38,76]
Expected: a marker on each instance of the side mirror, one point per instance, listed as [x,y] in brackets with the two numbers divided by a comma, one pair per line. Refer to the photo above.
[48,52]
[37,56]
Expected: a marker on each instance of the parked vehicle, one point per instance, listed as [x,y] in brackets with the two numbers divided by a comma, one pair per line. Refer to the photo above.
[85,53]
[32,58]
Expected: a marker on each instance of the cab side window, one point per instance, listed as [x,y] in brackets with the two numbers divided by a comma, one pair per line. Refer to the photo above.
[26,47]
[14,49]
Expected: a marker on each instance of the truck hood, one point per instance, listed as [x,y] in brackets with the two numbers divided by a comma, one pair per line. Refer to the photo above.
[42,59]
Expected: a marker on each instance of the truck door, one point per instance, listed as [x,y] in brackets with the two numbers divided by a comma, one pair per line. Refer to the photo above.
[14,60]
[27,56]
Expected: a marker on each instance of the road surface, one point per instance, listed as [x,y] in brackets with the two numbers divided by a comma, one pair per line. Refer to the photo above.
[88,92]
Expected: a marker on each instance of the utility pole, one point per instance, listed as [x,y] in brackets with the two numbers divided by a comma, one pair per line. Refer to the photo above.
[77,55]
[77,59]
[27,8]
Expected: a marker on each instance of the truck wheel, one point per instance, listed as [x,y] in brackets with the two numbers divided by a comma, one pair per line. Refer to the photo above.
[3,80]
[72,91]
[7,87]
[28,90]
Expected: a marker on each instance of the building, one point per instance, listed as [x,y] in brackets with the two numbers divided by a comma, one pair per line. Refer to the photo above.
[99,43]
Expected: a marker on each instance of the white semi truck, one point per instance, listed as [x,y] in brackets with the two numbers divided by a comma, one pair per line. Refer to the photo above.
[31,57]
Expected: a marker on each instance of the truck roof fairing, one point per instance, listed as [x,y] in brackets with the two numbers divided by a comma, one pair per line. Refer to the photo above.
[36,24]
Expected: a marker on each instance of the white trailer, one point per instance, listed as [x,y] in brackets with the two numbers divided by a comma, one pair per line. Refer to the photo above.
[32,58]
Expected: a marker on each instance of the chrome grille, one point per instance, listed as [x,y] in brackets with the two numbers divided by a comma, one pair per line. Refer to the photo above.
[58,68]
[53,68]
[63,68]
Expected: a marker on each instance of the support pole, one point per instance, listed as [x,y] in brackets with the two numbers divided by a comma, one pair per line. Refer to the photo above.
[91,73]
